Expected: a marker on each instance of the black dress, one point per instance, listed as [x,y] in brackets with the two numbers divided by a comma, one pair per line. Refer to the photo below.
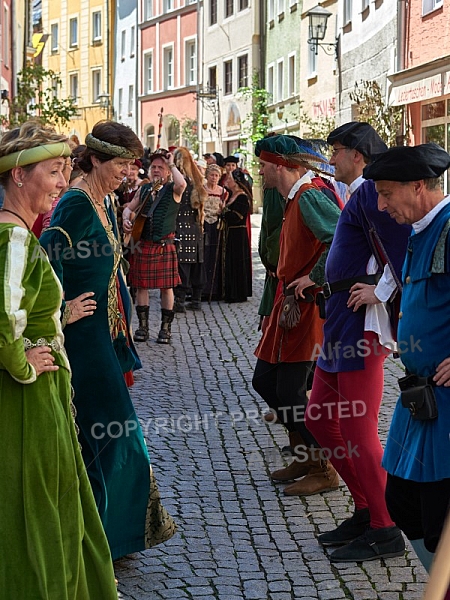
[237,256]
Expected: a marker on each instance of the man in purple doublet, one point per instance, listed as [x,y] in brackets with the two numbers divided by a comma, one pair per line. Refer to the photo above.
[362,276]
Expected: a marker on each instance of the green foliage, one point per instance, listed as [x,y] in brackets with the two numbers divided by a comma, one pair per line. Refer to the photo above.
[189,133]
[388,121]
[37,97]
[256,124]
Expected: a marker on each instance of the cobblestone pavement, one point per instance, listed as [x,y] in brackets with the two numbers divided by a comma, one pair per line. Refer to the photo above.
[239,537]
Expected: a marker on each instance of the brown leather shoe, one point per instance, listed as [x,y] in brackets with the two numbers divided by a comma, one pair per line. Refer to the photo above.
[320,479]
[293,471]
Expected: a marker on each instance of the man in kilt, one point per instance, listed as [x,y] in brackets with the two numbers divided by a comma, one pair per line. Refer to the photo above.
[153,263]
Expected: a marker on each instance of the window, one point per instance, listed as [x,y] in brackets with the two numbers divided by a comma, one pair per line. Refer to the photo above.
[168,68]
[73,85]
[212,12]
[73,32]
[228,77]
[148,9]
[364,5]
[54,88]
[430,5]
[191,62]
[291,76]
[229,8]
[312,61]
[148,73]
[167,5]
[96,84]
[120,109]
[54,32]
[271,12]
[280,9]
[132,41]
[243,4]
[270,82]
[347,11]
[150,137]
[96,26]
[243,71]
[280,80]
[130,100]
[123,44]
[212,79]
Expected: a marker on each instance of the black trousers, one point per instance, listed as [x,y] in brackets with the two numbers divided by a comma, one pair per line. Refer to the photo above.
[192,278]
[419,508]
[283,386]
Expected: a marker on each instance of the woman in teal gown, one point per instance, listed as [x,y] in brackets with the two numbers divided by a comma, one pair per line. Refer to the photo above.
[85,254]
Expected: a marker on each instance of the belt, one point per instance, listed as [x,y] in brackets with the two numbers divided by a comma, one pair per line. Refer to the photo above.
[346,284]
[53,344]
[291,291]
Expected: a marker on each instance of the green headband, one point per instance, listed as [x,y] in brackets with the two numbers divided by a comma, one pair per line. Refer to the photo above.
[30,156]
[107,148]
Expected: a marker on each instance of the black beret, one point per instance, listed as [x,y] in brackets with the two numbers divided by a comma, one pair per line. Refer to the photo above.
[408,163]
[231,159]
[358,136]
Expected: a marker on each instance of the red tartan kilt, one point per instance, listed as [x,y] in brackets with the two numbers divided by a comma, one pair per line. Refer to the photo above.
[154,266]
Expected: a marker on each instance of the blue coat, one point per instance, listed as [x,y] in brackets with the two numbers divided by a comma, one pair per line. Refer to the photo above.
[420,450]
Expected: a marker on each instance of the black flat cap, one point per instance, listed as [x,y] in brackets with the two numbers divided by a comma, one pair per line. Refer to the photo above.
[408,163]
[219,158]
[231,159]
[358,136]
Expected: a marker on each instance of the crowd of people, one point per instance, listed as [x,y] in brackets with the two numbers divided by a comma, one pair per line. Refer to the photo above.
[378,270]
[349,280]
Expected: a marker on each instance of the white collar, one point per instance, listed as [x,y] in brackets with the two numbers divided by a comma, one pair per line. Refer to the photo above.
[420,225]
[355,184]
[298,184]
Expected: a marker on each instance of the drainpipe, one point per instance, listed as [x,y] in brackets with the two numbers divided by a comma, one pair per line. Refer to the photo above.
[401,37]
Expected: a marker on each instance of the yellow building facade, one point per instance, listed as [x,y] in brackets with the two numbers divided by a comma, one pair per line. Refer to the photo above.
[79,47]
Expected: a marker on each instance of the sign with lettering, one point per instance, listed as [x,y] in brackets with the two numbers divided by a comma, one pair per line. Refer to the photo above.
[416,91]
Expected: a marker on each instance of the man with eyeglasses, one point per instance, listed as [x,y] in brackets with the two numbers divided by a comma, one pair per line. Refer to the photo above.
[362,275]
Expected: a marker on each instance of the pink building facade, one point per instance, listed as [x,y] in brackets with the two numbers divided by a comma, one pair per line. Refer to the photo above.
[422,84]
[6,60]
[169,71]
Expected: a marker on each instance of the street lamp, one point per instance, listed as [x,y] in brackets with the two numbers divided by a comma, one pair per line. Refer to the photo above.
[317,28]
[104,102]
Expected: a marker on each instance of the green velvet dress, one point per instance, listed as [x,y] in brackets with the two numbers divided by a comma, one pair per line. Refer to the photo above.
[52,544]
[86,256]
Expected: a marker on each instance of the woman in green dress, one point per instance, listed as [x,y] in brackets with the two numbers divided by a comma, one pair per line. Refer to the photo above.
[52,544]
[85,254]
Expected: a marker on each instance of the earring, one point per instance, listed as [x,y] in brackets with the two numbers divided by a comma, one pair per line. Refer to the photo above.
[19,184]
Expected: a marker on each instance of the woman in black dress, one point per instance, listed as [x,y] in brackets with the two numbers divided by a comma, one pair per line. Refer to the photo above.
[237,256]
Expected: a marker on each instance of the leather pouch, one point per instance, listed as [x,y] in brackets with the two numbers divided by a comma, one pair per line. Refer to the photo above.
[417,395]
[290,313]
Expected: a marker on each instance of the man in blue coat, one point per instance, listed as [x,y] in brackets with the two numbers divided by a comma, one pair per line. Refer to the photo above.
[408,181]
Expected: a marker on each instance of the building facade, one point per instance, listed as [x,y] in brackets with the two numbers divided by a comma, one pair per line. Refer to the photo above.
[231,58]
[168,71]
[80,48]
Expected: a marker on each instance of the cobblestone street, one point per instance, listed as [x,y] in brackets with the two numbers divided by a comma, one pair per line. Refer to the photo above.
[238,536]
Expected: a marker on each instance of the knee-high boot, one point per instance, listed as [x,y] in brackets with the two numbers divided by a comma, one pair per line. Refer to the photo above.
[165,333]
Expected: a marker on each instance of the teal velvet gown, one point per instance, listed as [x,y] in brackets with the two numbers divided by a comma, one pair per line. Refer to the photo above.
[86,258]
[52,544]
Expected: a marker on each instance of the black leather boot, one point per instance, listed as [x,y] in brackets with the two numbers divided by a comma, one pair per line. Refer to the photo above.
[141,334]
[178,304]
[196,300]
[165,332]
